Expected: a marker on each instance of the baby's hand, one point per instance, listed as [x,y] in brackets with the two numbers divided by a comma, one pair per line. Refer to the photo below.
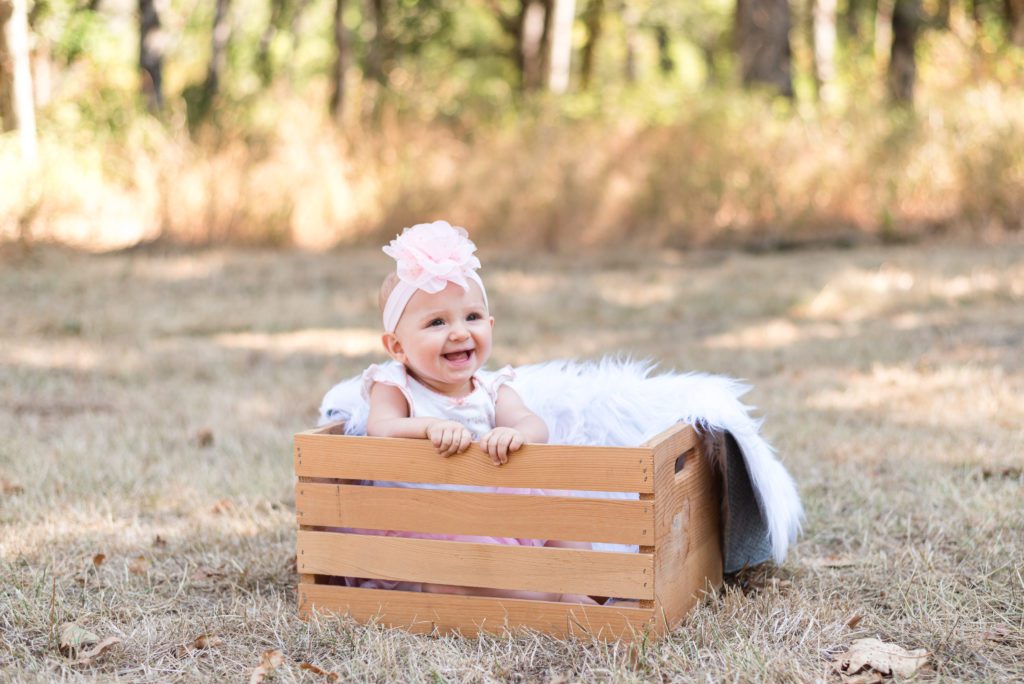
[500,442]
[449,437]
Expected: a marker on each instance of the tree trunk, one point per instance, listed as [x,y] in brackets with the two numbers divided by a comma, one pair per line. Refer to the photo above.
[218,55]
[851,18]
[665,62]
[823,17]
[378,47]
[906,17]
[532,33]
[337,104]
[631,21]
[762,40]
[151,55]
[1014,21]
[883,30]
[560,56]
[264,62]
[16,106]
[592,19]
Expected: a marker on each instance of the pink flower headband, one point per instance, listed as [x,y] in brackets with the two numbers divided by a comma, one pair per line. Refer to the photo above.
[429,256]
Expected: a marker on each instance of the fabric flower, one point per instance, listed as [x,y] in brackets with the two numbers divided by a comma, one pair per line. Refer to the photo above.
[430,255]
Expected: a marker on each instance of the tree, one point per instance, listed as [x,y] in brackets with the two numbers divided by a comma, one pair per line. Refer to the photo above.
[592,17]
[665,62]
[533,34]
[762,40]
[151,54]
[218,53]
[560,56]
[906,19]
[823,34]
[340,63]
[1015,21]
[16,106]
[630,26]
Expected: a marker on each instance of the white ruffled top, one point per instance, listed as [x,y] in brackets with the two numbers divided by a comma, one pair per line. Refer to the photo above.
[476,410]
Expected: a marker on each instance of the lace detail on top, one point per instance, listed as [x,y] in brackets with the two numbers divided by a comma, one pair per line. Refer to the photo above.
[476,410]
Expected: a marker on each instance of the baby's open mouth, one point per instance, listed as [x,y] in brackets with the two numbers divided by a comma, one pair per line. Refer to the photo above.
[458,356]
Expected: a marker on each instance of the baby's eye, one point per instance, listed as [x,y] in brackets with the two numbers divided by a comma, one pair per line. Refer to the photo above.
[436,322]
[473,317]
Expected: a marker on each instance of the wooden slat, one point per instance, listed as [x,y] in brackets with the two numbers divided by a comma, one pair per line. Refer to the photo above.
[550,466]
[492,566]
[564,518]
[687,511]
[469,615]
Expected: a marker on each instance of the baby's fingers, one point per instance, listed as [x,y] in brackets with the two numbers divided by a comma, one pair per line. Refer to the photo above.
[465,439]
[445,446]
[503,442]
[516,443]
[489,444]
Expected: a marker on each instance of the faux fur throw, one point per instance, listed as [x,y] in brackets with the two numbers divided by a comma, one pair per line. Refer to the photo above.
[621,402]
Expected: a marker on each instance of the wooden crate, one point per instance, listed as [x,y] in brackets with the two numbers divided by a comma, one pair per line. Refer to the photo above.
[675,523]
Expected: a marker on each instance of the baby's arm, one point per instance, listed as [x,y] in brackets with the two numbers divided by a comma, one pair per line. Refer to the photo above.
[515,425]
[389,417]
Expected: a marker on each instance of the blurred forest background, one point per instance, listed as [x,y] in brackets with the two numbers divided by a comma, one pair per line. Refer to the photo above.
[544,123]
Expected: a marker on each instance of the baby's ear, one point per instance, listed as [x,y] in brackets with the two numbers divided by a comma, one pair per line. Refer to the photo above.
[393,347]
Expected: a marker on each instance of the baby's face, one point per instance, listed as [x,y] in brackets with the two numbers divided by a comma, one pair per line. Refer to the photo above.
[444,338]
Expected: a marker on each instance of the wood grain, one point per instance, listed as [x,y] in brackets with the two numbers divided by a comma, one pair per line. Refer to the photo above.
[492,566]
[610,469]
[688,557]
[469,615]
[485,514]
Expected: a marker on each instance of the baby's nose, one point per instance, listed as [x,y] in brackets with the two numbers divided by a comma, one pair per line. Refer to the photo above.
[458,332]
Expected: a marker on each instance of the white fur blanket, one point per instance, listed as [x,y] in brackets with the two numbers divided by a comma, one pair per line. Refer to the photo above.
[620,402]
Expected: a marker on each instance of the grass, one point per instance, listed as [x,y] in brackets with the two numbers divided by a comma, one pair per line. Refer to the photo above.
[147,403]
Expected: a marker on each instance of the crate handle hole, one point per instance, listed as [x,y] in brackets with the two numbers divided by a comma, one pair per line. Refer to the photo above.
[681,461]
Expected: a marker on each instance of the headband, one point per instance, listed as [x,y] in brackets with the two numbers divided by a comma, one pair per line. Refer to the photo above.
[429,256]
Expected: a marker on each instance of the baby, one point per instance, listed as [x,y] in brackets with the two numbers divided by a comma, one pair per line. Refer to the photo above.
[437,329]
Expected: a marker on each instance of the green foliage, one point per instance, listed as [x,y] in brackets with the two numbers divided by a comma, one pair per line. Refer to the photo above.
[435,111]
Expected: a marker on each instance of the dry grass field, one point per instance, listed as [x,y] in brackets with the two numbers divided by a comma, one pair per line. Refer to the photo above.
[148,400]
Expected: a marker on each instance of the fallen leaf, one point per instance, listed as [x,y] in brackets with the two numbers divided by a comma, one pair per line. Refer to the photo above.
[204,572]
[200,643]
[854,620]
[331,676]
[869,677]
[269,661]
[867,655]
[98,559]
[79,643]
[204,438]
[831,562]
[1007,473]
[9,487]
[73,637]
[997,633]
[139,565]
[159,542]
[222,506]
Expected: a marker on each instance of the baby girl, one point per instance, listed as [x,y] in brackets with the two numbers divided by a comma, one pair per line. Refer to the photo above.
[437,330]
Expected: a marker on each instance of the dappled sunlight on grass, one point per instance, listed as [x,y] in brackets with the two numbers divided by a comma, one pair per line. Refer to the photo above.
[69,355]
[945,398]
[351,342]
[188,267]
[775,333]
[858,294]
[148,402]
